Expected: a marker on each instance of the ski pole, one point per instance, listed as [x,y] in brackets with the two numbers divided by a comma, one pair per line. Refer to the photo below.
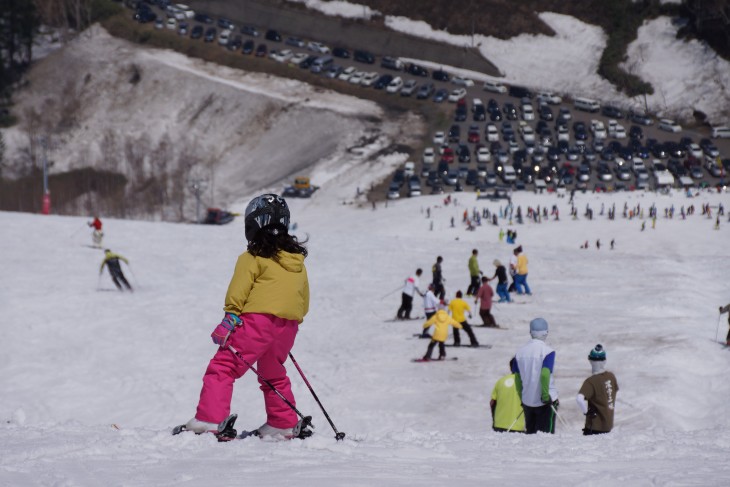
[394,290]
[338,435]
[136,281]
[77,230]
[717,331]
[559,416]
[517,418]
[307,420]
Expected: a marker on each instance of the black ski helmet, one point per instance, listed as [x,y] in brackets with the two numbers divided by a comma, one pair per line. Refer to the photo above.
[266,210]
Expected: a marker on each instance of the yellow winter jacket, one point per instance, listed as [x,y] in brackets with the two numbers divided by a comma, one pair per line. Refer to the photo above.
[458,309]
[522,264]
[261,285]
[441,320]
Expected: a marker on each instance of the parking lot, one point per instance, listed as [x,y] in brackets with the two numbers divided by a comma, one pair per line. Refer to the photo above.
[499,135]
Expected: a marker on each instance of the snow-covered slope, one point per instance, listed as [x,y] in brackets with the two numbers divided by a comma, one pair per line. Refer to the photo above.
[78,357]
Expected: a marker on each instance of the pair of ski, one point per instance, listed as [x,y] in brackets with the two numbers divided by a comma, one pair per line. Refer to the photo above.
[429,360]
[419,335]
[226,431]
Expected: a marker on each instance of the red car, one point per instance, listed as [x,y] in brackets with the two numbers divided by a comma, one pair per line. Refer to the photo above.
[448,155]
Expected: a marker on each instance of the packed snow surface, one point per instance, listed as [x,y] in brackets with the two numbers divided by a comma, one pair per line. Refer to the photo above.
[94,379]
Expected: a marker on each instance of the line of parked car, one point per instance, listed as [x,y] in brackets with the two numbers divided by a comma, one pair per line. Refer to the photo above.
[531,141]
[537,141]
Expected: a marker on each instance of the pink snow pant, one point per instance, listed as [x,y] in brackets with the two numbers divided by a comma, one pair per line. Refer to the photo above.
[264,340]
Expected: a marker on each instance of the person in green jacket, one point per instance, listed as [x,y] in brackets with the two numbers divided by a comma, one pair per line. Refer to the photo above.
[441,320]
[474,273]
[506,405]
[111,260]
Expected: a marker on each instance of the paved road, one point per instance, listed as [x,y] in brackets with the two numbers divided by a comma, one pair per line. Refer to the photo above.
[336,31]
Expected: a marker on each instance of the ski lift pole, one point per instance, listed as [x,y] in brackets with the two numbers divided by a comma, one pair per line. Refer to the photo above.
[307,419]
[338,435]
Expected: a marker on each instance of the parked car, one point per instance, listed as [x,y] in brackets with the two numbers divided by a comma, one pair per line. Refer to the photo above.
[425,91]
[440,75]
[294,41]
[669,125]
[210,34]
[262,50]
[248,47]
[457,94]
[341,52]
[363,57]
[318,47]
[495,87]
[462,81]
[250,30]
[641,118]
[611,111]
[197,32]
[416,70]
[369,78]
[409,87]
[440,95]
[395,85]
[272,35]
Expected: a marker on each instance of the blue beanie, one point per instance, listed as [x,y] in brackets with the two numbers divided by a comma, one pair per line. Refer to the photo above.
[538,327]
[598,354]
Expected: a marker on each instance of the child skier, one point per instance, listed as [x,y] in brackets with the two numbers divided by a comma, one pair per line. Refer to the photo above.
[507,414]
[266,301]
[459,308]
[441,321]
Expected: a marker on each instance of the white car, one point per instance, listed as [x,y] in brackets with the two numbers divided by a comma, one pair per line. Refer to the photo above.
[409,169]
[694,150]
[172,23]
[429,155]
[495,86]
[598,129]
[318,47]
[223,37]
[492,133]
[549,98]
[395,85]
[369,78]
[281,56]
[462,81]
[356,77]
[669,125]
[528,133]
[528,113]
[187,11]
[483,155]
[409,87]
[563,133]
[439,138]
[299,57]
[346,74]
[619,132]
[457,95]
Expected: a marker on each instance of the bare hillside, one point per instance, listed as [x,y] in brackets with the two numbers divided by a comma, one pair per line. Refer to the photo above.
[164,120]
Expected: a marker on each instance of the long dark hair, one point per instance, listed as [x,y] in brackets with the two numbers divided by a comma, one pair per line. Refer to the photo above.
[271,239]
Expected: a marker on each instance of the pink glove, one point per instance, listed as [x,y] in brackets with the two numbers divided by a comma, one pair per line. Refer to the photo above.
[223,331]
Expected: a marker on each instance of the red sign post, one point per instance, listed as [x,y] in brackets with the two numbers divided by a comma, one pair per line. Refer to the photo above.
[46,208]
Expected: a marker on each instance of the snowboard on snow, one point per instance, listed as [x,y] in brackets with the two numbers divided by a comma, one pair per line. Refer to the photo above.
[447,359]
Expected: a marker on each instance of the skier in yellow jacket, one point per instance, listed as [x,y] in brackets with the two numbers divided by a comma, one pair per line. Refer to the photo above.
[441,321]
[459,308]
